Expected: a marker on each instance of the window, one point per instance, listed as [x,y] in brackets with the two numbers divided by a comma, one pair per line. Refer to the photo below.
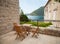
[46,9]
[57,0]
[54,15]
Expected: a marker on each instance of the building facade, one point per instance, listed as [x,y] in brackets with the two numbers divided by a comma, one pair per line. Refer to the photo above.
[52,12]
[9,13]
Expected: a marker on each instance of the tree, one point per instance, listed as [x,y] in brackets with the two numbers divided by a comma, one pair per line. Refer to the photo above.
[23,17]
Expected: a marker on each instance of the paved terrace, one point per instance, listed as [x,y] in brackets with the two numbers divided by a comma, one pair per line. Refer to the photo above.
[9,38]
[50,30]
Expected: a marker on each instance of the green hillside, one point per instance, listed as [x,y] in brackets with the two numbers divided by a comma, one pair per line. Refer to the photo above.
[39,11]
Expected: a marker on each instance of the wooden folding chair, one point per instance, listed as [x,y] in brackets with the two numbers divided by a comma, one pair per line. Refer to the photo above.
[27,28]
[19,31]
[35,32]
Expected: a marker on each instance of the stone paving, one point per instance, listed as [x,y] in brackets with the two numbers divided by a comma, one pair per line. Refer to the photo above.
[9,38]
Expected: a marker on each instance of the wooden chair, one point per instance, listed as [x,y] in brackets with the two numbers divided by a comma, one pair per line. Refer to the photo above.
[28,28]
[19,31]
[35,32]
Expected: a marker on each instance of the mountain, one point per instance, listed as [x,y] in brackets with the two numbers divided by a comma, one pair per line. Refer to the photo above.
[39,11]
[27,14]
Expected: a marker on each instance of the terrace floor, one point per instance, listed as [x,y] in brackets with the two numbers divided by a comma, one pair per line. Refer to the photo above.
[9,38]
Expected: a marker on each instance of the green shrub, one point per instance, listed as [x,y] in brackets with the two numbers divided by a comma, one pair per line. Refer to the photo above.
[24,18]
[50,23]
[22,22]
[41,24]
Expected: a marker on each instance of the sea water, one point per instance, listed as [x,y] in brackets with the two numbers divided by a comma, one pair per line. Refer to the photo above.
[35,17]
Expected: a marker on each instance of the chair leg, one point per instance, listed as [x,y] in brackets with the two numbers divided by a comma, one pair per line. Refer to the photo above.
[37,33]
[22,36]
[33,34]
[27,33]
[17,36]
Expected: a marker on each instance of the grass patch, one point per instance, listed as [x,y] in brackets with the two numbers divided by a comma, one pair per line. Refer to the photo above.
[41,24]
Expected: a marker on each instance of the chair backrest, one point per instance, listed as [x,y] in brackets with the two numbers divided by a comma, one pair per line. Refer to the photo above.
[27,28]
[19,29]
[15,24]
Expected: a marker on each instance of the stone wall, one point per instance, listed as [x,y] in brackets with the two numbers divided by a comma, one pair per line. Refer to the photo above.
[52,12]
[46,31]
[9,13]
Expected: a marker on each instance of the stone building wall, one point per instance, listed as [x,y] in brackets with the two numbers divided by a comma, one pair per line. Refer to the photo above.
[9,13]
[52,12]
